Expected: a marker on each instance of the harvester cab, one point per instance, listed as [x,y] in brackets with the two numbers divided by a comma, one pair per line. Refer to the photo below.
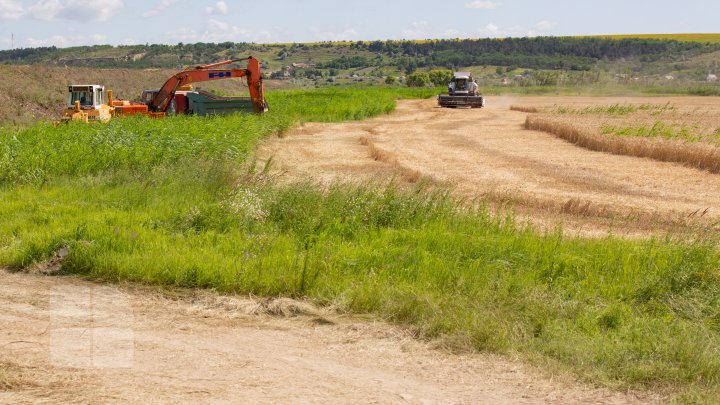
[462,92]
[86,103]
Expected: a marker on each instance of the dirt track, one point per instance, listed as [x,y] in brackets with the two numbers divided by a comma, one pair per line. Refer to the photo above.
[485,153]
[65,340]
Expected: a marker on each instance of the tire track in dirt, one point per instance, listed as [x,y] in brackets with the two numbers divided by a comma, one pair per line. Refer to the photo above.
[198,347]
[486,153]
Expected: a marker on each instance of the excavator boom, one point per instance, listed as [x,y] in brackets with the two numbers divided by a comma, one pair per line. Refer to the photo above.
[162,99]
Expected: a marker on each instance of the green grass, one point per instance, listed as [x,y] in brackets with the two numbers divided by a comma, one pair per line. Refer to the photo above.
[616,110]
[659,129]
[179,202]
[34,154]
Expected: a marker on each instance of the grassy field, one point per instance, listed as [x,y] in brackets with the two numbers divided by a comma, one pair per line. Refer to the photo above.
[180,202]
[704,38]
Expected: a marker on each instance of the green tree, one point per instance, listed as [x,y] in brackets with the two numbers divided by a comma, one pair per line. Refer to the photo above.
[418,79]
[441,77]
[390,80]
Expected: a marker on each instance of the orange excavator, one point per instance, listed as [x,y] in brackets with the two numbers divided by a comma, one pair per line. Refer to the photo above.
[176,96]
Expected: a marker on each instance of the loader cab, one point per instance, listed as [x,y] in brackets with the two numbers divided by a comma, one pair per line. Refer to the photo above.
[91,97]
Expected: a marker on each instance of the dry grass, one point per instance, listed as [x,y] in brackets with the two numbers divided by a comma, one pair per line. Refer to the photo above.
[620,218]
[11,377]
[525,109]
[699,156]
[379,155]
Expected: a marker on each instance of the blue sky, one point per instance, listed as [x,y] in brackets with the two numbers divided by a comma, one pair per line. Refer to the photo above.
[88,22]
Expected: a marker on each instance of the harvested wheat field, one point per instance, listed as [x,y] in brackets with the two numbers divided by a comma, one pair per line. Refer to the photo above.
[129,344]
[489,155]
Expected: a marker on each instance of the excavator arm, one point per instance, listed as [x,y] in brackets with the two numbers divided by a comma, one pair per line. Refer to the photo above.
[162,99]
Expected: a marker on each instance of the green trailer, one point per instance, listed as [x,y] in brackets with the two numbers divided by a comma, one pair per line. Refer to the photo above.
[205,103]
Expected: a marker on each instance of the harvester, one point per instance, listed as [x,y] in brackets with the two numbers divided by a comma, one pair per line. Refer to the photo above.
[462,92]
[176,96]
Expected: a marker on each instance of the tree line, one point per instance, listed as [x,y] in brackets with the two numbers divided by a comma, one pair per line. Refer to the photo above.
[566,53]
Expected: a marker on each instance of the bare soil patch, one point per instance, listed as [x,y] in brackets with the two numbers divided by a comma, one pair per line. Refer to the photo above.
[196,346]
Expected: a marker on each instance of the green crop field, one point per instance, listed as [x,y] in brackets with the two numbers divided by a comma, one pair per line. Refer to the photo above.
[179,202]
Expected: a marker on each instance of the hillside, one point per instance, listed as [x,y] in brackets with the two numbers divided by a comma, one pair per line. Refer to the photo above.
[383,57]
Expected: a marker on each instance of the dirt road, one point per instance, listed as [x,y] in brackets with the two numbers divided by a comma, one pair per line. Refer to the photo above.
[486,153]
[65,340]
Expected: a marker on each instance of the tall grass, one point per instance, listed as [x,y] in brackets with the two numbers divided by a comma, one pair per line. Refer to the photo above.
[42,151]
[334,104]
[187,208]
[698,156]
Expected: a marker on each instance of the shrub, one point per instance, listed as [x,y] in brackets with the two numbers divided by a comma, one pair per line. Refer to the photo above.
[418,79]
[441,77]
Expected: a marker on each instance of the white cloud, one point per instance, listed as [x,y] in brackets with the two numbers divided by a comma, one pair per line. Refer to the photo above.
[485,5]
[65,41]
[417,30]
[493,31]
[46,10]
[129,41]
[96,10]
[219,31]
[11,9]
[160,6]
[78,10]
[545,25]
[349,34]
[219,8]
[453,33]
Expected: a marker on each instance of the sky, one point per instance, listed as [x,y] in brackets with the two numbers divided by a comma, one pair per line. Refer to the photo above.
[64,23]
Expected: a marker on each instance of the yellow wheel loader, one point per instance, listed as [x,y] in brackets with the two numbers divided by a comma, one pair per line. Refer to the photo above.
[86,103]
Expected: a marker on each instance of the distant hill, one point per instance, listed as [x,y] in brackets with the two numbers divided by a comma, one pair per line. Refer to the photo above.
[701,38]
[562,53]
